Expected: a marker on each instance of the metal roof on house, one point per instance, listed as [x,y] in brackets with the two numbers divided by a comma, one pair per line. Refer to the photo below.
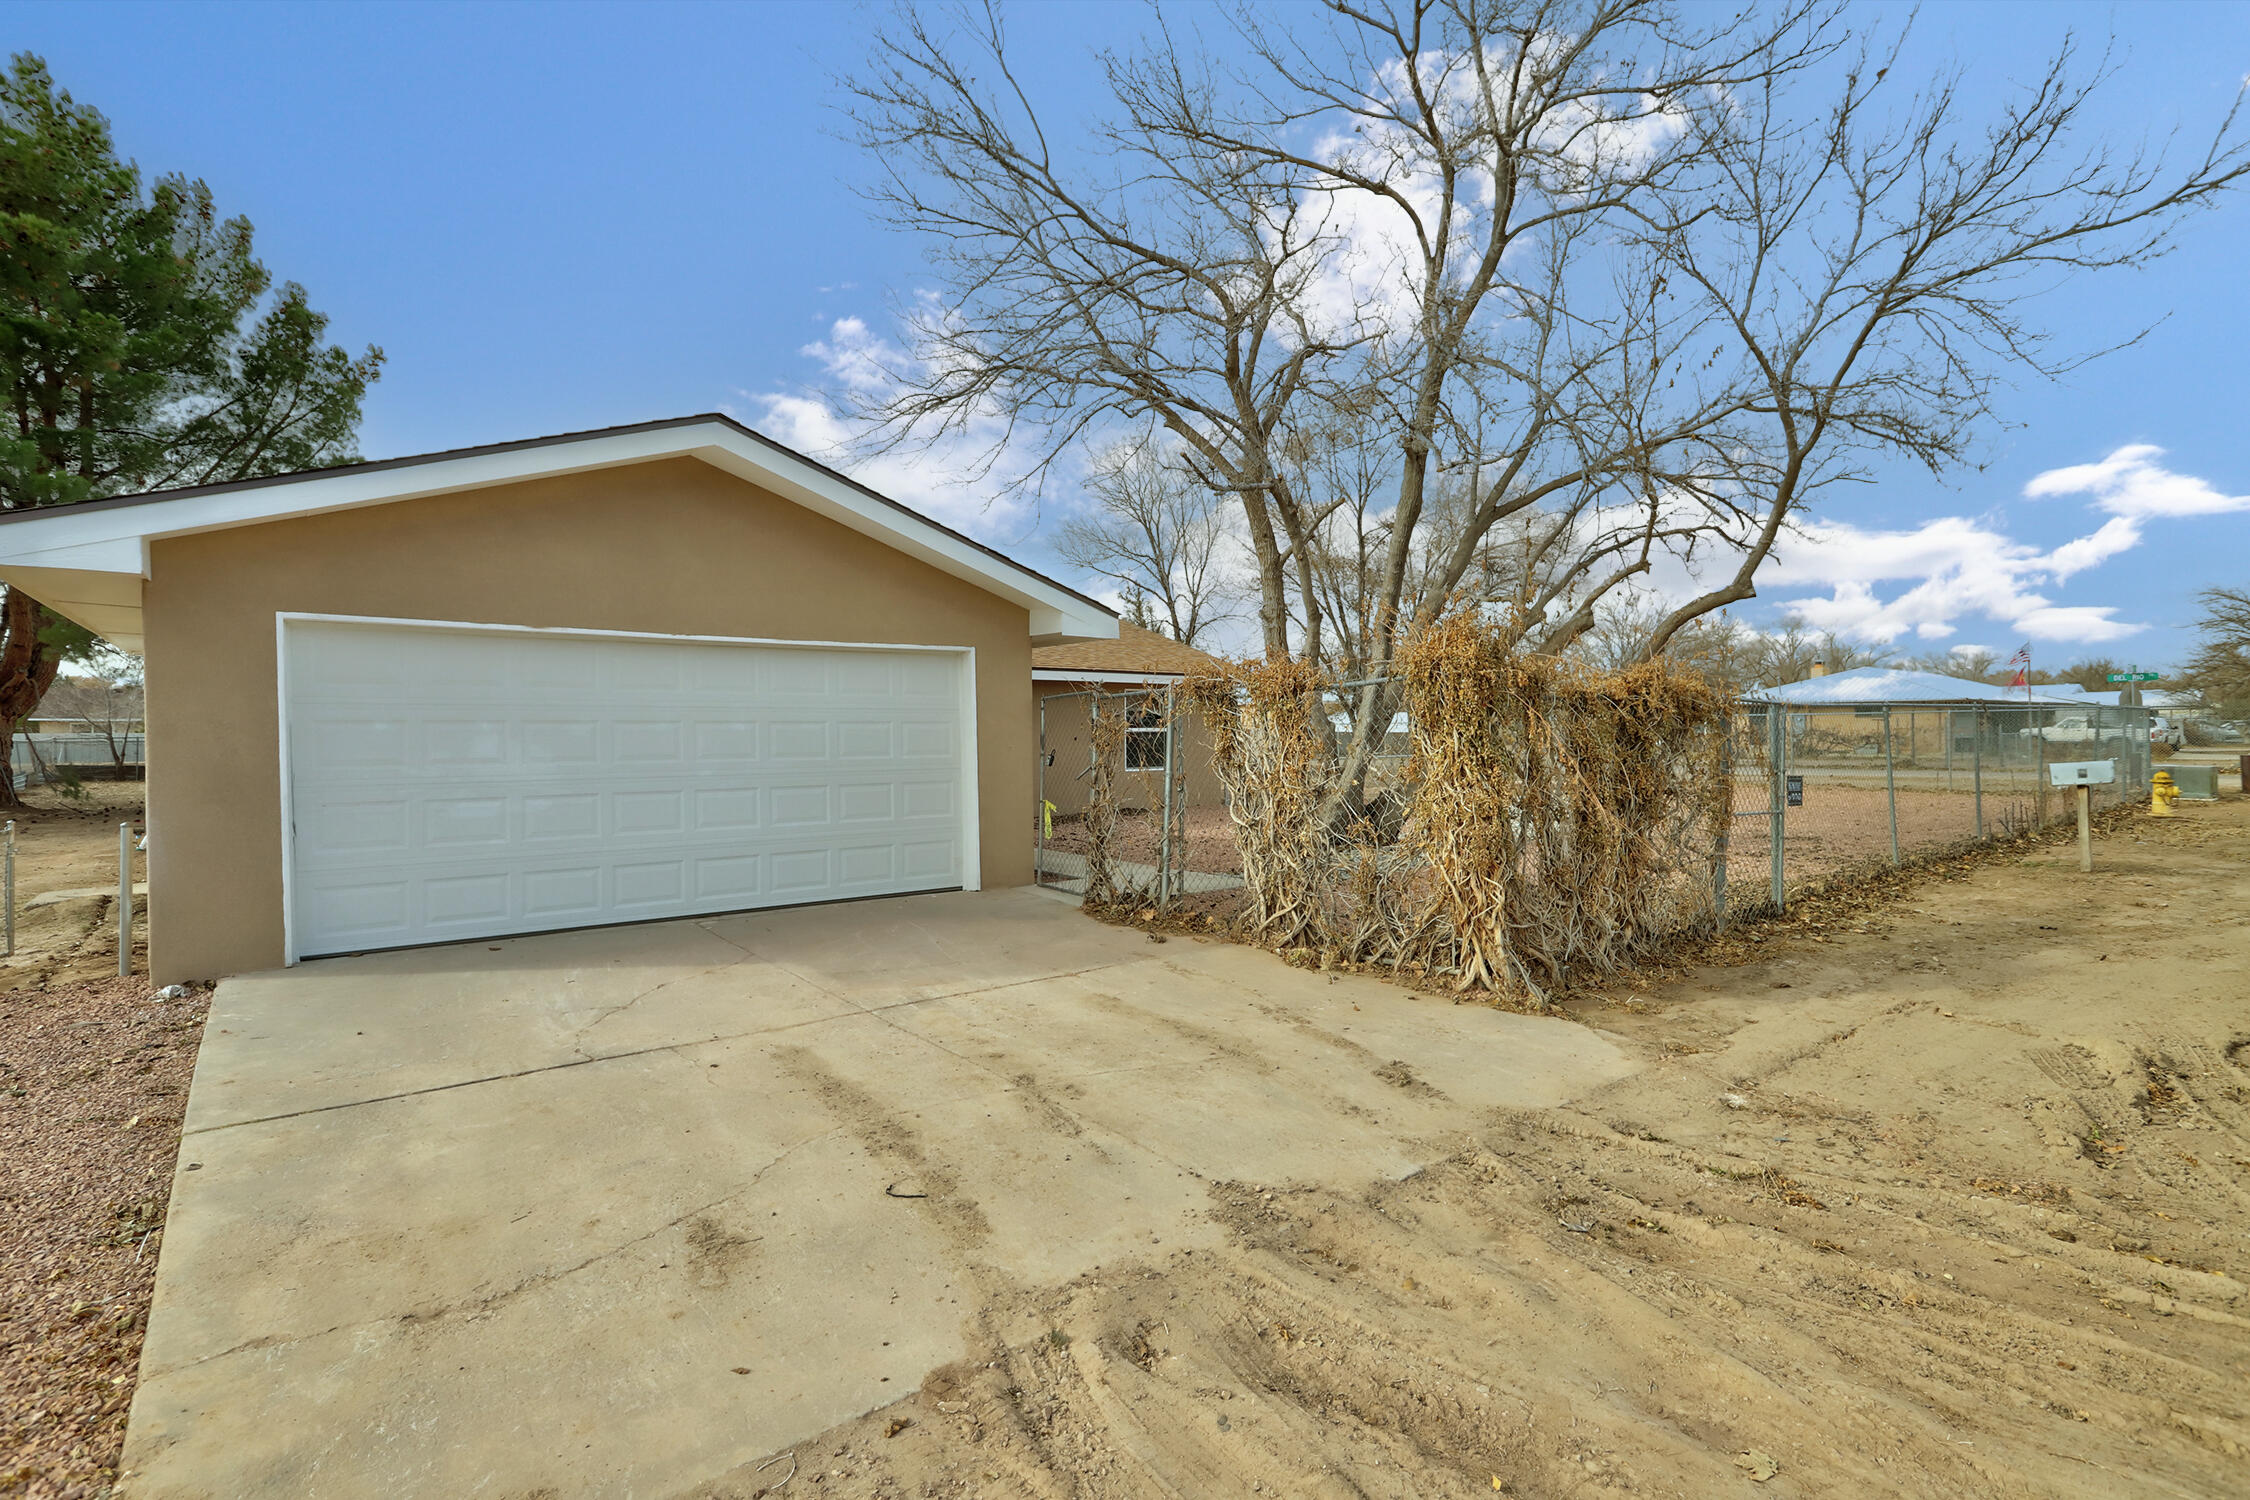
[1898,685]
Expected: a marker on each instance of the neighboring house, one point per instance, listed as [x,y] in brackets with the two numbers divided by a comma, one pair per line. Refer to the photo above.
[2182,707]
[1930,714]
[1132,672]
[638,673]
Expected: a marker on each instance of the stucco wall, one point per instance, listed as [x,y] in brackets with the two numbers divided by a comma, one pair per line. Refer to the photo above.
[673,547]
[1070,739]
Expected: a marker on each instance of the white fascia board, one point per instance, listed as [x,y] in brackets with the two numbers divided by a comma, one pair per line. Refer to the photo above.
[115,539]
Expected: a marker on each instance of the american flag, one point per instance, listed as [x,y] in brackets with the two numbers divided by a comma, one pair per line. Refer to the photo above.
[2021,661]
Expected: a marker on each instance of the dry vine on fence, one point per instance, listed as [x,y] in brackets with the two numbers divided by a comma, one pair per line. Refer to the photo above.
[1558,822]
[1106,732]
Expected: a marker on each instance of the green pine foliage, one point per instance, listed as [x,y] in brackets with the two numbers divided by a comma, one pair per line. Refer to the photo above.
[142,346]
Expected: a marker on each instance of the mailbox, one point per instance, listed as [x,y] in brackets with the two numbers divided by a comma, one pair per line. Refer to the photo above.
[2081,772]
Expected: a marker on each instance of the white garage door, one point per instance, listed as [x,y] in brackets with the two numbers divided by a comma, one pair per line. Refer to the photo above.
[447,783]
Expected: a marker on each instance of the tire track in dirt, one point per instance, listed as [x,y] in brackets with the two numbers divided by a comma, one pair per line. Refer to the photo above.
[1975,1227]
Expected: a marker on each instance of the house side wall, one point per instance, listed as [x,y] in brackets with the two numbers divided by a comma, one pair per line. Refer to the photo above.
[672,547]
[1069,737]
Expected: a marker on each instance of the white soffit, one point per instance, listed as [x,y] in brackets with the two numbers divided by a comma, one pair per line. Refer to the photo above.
[87,561]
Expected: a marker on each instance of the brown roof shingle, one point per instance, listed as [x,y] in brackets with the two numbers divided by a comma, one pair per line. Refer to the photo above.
[1134,650]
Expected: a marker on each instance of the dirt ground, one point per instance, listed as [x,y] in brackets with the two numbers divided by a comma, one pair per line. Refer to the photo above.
[66,885]
[1842,825]
[1208,831]
[1946,1197]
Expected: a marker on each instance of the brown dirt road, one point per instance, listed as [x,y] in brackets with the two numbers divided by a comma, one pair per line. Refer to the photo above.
[1973,1222]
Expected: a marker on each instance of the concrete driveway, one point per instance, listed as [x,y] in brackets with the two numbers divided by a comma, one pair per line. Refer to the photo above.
[614,1212]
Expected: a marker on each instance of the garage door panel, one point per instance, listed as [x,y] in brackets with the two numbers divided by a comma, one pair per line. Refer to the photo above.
[455,782]
[560,897]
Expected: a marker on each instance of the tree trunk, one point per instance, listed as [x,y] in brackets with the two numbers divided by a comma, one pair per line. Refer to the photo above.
[27,670]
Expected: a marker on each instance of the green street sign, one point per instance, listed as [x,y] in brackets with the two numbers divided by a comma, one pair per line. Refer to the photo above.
[2136,676]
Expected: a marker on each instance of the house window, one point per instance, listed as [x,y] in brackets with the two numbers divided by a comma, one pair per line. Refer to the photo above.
[1145,739]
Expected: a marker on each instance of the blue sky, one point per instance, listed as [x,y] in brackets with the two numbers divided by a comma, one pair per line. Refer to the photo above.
[565,216]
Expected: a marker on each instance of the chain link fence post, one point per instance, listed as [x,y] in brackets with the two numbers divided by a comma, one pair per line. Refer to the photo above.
[1165,852]
[2039,772]
[1977,773]
[1777,743]
[124,899]
[1726,826]
[1890,780]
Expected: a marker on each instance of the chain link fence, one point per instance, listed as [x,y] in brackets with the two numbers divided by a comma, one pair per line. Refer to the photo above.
[1846,785]
[1128,804]
[1816,792]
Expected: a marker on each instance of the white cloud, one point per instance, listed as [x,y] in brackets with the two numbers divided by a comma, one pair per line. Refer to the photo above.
[965,478]
[1954,567]
[1367,257]
[2131,483]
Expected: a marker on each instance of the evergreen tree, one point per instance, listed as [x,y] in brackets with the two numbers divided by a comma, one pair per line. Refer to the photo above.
[139,349]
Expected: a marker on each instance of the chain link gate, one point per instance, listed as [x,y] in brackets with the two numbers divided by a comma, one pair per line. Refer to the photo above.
[1090,741]
[1128,805]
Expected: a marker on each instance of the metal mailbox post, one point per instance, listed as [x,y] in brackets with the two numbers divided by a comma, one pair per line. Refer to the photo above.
[2084,775]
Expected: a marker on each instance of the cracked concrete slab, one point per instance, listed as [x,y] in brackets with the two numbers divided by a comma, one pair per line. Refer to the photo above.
[611,1213]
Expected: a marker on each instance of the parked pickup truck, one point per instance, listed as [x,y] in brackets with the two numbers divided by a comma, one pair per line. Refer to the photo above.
[2076,729]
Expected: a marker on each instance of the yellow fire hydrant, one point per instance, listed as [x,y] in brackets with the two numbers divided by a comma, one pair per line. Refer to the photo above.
[2161,795]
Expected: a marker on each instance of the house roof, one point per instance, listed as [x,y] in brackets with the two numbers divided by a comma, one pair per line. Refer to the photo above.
[1137,653]
[87,560]
[1897,685]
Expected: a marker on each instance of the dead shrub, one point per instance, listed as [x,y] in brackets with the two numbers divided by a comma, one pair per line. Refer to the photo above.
[1557,823]
[1269,747]
[1106,733]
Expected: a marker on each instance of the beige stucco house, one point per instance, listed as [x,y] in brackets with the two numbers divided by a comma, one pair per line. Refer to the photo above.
[637,673]
[1131,671]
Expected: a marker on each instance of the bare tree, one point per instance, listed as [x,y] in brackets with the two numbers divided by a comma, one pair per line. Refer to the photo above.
[1871,269]
[110,704]
[1156,531]
[2220,667]
[1974,663]
[1606,275]
[1394,214]
[1722,648]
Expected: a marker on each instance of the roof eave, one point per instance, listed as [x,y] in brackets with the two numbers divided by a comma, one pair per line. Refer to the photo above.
[81,553]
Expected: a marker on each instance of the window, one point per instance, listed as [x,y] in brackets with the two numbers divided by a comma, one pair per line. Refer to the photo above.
[1145,739]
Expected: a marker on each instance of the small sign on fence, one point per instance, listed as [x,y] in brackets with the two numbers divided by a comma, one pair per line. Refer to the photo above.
[1796,791]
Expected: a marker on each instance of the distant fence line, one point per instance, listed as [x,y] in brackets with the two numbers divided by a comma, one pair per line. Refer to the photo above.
[34,753]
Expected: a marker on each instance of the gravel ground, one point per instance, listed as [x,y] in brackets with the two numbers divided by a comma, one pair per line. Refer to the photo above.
[93,1082]
[1210,839]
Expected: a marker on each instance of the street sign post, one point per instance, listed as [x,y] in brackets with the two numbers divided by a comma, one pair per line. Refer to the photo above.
[2136,677]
